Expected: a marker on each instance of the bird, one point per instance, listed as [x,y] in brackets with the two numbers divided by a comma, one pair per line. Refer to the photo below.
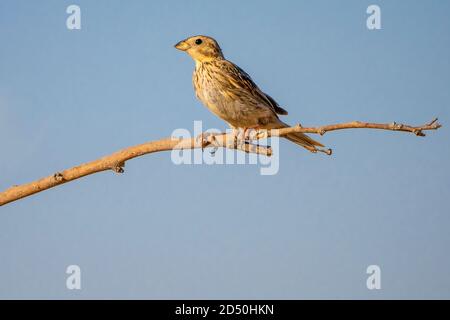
[231,94]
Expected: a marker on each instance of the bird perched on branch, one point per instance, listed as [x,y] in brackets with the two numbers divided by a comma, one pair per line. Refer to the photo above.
[230,93]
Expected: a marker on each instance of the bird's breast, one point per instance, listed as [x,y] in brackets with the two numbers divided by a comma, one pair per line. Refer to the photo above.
[210,92]
[233,104]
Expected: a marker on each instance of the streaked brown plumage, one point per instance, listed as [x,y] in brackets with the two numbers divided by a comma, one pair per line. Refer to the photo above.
[230,93]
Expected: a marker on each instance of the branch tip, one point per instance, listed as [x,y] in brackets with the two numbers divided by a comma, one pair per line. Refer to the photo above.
[328,151]
[434,122]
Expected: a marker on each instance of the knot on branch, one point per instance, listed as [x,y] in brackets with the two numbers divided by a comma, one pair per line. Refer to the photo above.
[58,176]
[119,167]
[396,126]
[321,131]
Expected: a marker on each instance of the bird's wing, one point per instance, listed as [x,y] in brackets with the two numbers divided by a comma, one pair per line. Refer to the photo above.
[241,80]
[278,109]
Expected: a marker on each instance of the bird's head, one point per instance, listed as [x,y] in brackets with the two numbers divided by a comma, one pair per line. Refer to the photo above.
[201,48]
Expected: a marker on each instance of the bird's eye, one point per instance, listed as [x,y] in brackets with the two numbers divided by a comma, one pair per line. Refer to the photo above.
[198,41]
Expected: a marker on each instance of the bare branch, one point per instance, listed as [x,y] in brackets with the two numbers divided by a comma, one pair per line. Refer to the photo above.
[418,131]
[116,161]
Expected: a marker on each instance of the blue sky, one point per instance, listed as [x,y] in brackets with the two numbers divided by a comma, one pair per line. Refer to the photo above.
[225,231]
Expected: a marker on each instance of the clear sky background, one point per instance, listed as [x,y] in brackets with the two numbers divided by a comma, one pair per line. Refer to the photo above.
[225,231]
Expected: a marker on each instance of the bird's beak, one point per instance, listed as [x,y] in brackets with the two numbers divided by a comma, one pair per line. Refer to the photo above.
[182,45]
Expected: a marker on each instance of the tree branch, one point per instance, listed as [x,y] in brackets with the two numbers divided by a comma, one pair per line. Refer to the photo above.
[116,161]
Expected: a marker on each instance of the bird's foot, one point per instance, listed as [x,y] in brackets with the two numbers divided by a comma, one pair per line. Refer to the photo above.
[205,139]
[233,138]
[248,134]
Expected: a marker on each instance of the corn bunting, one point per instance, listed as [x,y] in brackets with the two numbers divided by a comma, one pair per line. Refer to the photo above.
[230,93]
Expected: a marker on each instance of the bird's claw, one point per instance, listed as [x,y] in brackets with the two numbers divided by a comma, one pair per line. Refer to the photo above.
[248,133]
[205,139]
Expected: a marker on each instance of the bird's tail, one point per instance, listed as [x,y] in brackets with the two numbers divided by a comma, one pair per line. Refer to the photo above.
[303,140]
